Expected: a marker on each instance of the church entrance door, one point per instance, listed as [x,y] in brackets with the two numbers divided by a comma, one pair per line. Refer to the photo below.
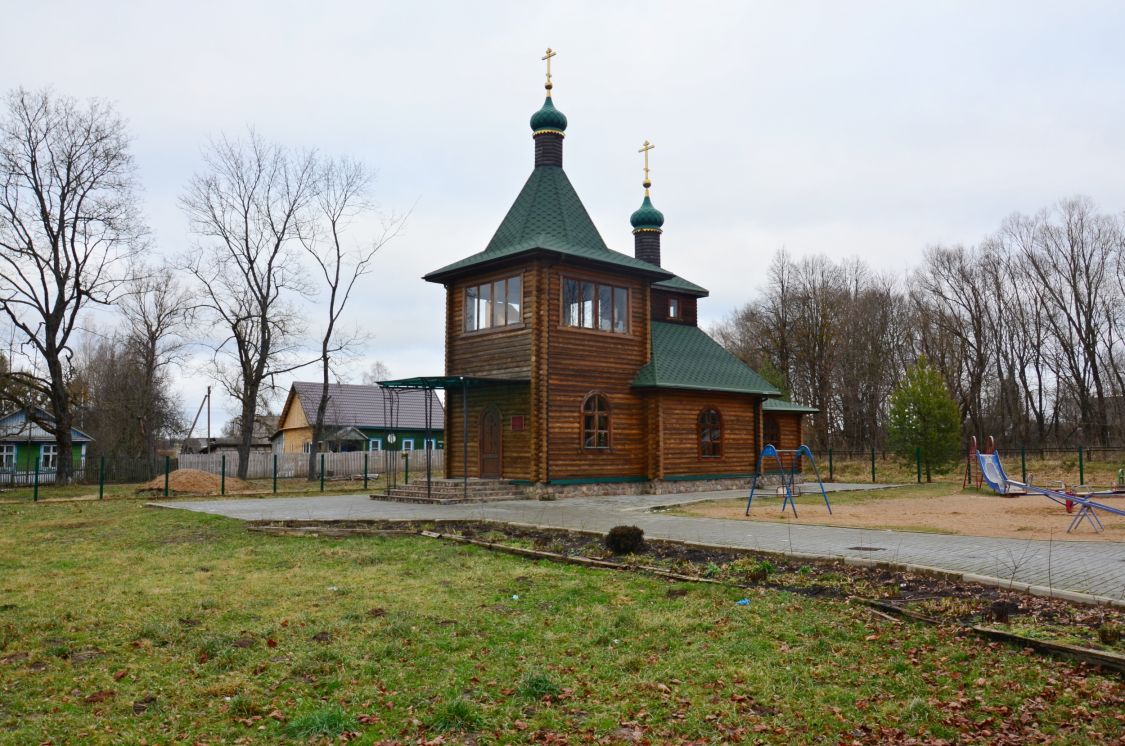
[490,444]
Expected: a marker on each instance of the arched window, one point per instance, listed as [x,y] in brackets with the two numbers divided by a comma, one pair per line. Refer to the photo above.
[595,422]
[710,434]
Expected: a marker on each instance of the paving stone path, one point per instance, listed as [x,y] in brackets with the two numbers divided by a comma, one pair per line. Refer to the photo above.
[1095,568]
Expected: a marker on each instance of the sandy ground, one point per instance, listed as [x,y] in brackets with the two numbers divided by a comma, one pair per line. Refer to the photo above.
[1026,517]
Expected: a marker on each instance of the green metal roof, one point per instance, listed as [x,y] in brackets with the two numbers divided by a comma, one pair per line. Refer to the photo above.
[779,405]
[548,215]
[548,118]
[684,357]
[680,285]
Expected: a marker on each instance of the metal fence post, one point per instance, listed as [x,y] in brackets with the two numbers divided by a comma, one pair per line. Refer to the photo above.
[101,478]
[365,455]
[872,466]
[223,474]
[831,476]
[322,472]
[918,462]
[1023,464]
[1081,467]
[167,473]
[35,490]
[406,467]
[275,474]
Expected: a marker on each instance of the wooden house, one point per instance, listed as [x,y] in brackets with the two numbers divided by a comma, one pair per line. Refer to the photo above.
[358,418]
[27,447]
[568,362]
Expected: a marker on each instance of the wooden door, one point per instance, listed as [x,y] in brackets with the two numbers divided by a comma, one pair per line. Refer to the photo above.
[490,444]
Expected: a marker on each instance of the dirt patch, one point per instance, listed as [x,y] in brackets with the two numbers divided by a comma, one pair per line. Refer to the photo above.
[1025,517]
[193,482]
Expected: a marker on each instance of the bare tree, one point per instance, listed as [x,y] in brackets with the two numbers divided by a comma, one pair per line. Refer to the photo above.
[378,371]
[341,197]
[156,310]
[249,207]
[69,225]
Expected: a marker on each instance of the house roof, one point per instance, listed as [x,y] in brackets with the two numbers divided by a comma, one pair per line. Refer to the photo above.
[680,285]
[355,405]
[548,216]
[16,426]
[779,405]
[684,357]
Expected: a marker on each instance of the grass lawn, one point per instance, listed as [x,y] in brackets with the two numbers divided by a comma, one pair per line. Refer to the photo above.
[260,487]
[121,624]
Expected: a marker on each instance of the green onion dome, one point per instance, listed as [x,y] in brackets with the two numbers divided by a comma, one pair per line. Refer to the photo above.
[548,119]
[647,217]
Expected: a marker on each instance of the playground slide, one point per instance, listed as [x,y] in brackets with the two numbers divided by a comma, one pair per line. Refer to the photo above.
[993,472]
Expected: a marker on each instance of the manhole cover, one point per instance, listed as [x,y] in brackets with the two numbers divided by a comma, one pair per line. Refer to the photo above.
[866,549]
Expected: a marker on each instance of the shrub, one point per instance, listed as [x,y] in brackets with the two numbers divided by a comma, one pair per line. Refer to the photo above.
[1110,633]
[625,540]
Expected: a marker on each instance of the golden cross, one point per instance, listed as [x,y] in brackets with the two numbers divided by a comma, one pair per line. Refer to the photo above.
[644,149]
[550,53]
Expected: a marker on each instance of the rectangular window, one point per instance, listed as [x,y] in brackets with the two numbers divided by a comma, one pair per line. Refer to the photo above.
[375,444]
[570,302]
[673,308]
[620,310]
[493,304]
[408,444]
[515,298]
[49,456]
[431,444]
[8,456]
[471,308]
[591,305]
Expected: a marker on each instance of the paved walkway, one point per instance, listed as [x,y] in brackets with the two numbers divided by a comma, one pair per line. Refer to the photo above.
[1088,567]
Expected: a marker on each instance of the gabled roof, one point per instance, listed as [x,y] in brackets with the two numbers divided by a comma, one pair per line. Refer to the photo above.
[15,426]
[355,405]
[548,215]
[680,285]
[779,405]
[684,357]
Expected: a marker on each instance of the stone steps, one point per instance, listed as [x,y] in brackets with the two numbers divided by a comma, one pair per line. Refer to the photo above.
[452,491]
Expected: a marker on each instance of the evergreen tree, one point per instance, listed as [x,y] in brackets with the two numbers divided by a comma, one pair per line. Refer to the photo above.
[924,416]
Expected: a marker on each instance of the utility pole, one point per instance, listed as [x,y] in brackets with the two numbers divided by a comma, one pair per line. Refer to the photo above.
[208,419]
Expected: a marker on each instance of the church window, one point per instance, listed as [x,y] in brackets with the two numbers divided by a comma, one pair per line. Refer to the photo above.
[591,305]
[673,308]
[710,426]
[493,304]
[771,431]
[595,422]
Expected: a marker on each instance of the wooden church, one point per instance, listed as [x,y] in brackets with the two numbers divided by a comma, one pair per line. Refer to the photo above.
[567,362]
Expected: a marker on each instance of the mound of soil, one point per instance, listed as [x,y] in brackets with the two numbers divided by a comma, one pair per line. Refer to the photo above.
[193,482]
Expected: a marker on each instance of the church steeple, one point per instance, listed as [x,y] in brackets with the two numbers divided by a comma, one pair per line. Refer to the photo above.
[647,221]
[548,125]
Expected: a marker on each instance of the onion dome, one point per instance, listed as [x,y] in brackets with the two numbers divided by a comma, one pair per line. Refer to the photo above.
[647,217]
[548,119]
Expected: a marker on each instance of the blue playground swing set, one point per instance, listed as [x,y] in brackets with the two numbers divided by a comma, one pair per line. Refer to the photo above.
[788,476]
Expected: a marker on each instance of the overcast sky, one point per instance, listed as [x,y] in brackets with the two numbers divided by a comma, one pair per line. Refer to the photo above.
[846,129]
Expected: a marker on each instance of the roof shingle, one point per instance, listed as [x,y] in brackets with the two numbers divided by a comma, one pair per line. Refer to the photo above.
[354,405]
[684,357]
[548,215]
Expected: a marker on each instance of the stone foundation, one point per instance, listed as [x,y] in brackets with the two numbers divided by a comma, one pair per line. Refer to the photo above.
[655,487]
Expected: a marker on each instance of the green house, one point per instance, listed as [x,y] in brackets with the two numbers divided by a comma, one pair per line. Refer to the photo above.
[26,448]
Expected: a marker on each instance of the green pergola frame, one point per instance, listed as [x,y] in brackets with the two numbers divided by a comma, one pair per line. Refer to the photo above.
[464,383]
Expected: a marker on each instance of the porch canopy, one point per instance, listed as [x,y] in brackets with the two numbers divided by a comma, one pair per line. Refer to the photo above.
[447,383]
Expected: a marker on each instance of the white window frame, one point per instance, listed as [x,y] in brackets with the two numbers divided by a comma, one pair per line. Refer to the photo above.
[307,447]
[49,456]
[408,444]
[8,453]
[374,445]
[430,443]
